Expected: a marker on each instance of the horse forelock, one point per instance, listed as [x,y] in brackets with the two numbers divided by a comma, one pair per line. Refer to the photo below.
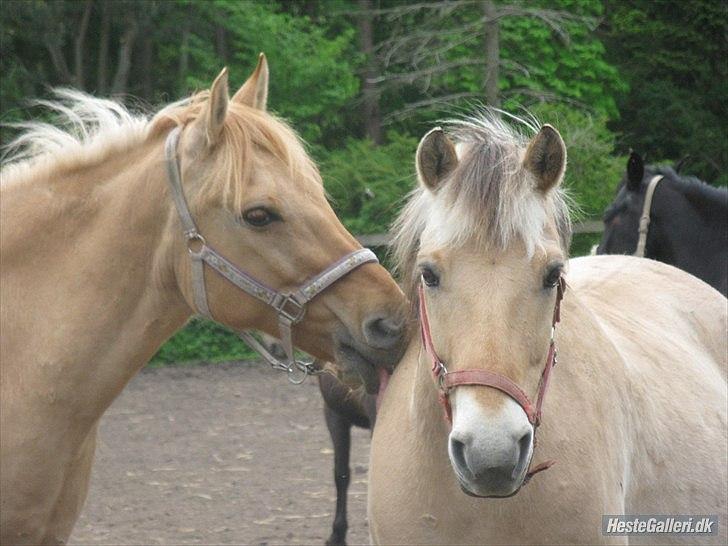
[87,130]
[489,197]
[245,133]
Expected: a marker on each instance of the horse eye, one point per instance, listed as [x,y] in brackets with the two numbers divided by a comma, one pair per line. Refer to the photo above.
[551,279]
[259,217]
[429,277]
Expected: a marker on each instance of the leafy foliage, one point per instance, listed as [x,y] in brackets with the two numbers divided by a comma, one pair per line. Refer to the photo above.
[673,54]
[367,184]
[204,340]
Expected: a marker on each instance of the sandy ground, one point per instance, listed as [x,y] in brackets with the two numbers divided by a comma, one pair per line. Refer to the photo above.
[223,454]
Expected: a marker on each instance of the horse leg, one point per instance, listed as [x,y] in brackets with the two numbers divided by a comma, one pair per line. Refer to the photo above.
[340,430]
[73,493]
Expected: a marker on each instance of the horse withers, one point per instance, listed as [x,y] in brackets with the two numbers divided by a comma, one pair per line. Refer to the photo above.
[680,220]
[487,435]
[116,229]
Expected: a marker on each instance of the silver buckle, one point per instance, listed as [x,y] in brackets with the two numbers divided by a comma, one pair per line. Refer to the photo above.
[290,309]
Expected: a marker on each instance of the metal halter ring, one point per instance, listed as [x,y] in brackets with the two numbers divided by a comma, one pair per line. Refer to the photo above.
[195,239]
[299,370]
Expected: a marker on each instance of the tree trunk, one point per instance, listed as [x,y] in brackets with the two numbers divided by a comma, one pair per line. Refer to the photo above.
[126,47]
[78,45]
[145,66]
[371,108]
[221,43]
[184,55]
[59,61]
[102,70]
[492,54]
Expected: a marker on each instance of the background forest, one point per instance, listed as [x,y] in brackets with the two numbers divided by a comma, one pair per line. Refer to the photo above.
[362,80]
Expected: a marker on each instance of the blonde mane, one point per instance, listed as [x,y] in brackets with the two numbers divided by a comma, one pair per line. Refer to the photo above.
[87,130]
[489,196]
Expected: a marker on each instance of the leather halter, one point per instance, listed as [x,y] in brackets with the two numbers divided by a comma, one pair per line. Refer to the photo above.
[645,217]
[289,306]
[446,381]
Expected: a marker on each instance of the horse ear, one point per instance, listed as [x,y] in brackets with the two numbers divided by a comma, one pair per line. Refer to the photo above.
[212,118]
[546,158]
[435,159]
[254,92]
[635,171]
[680,164]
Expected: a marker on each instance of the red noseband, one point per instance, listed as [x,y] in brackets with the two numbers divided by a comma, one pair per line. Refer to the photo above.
[446,381]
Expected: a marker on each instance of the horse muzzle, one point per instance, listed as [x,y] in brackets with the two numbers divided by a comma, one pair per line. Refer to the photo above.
[491,458]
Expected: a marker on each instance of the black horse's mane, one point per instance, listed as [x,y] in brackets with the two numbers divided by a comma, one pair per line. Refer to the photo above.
[693,187]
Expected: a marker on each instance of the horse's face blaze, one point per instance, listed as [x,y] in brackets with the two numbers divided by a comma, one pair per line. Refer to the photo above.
[273,221]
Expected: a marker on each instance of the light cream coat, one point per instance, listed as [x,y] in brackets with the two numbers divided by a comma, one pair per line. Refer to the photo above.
[636,412]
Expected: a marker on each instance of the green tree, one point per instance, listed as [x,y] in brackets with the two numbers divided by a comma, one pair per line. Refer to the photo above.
[673,54]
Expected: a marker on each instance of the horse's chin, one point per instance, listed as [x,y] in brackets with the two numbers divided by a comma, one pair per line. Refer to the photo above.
[362,365]
[471,486]
[475,490]
[357,368]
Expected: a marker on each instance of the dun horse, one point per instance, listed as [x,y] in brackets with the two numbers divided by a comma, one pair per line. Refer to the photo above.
[675,219]
[109,245]
[635,414]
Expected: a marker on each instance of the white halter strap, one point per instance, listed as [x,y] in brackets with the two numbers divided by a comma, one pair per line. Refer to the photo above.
[645,218]
[289,306]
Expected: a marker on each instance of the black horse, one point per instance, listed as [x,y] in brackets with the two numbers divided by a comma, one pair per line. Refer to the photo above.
[688,222]
[343,408]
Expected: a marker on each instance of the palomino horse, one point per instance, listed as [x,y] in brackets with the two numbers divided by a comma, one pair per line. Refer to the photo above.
[97,274]
[635,418]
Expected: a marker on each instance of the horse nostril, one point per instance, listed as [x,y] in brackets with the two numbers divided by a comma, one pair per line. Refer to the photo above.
[524,448]
[457,450]
[383,333]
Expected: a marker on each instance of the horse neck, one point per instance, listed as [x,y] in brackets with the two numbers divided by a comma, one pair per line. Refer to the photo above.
[683,214]
[85,254]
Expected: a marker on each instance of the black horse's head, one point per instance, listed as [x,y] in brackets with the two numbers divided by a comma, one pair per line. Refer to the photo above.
[622,217]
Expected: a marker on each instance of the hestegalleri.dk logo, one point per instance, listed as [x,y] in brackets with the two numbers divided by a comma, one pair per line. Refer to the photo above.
[653,525]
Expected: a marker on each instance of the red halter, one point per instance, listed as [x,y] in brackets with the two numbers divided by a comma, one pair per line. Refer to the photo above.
[446,381]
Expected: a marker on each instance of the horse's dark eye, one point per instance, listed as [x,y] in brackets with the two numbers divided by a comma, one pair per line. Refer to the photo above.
[552,276]
[258,217]
[429,277]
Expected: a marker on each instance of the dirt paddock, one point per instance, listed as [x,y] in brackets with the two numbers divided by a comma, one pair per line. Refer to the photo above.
[219,454]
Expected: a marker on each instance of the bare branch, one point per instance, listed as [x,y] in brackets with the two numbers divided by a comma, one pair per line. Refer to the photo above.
[404,9]
[542,95]
[411,109]
[411,77]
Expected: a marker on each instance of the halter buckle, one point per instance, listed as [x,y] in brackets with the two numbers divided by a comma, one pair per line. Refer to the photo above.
[289,309]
